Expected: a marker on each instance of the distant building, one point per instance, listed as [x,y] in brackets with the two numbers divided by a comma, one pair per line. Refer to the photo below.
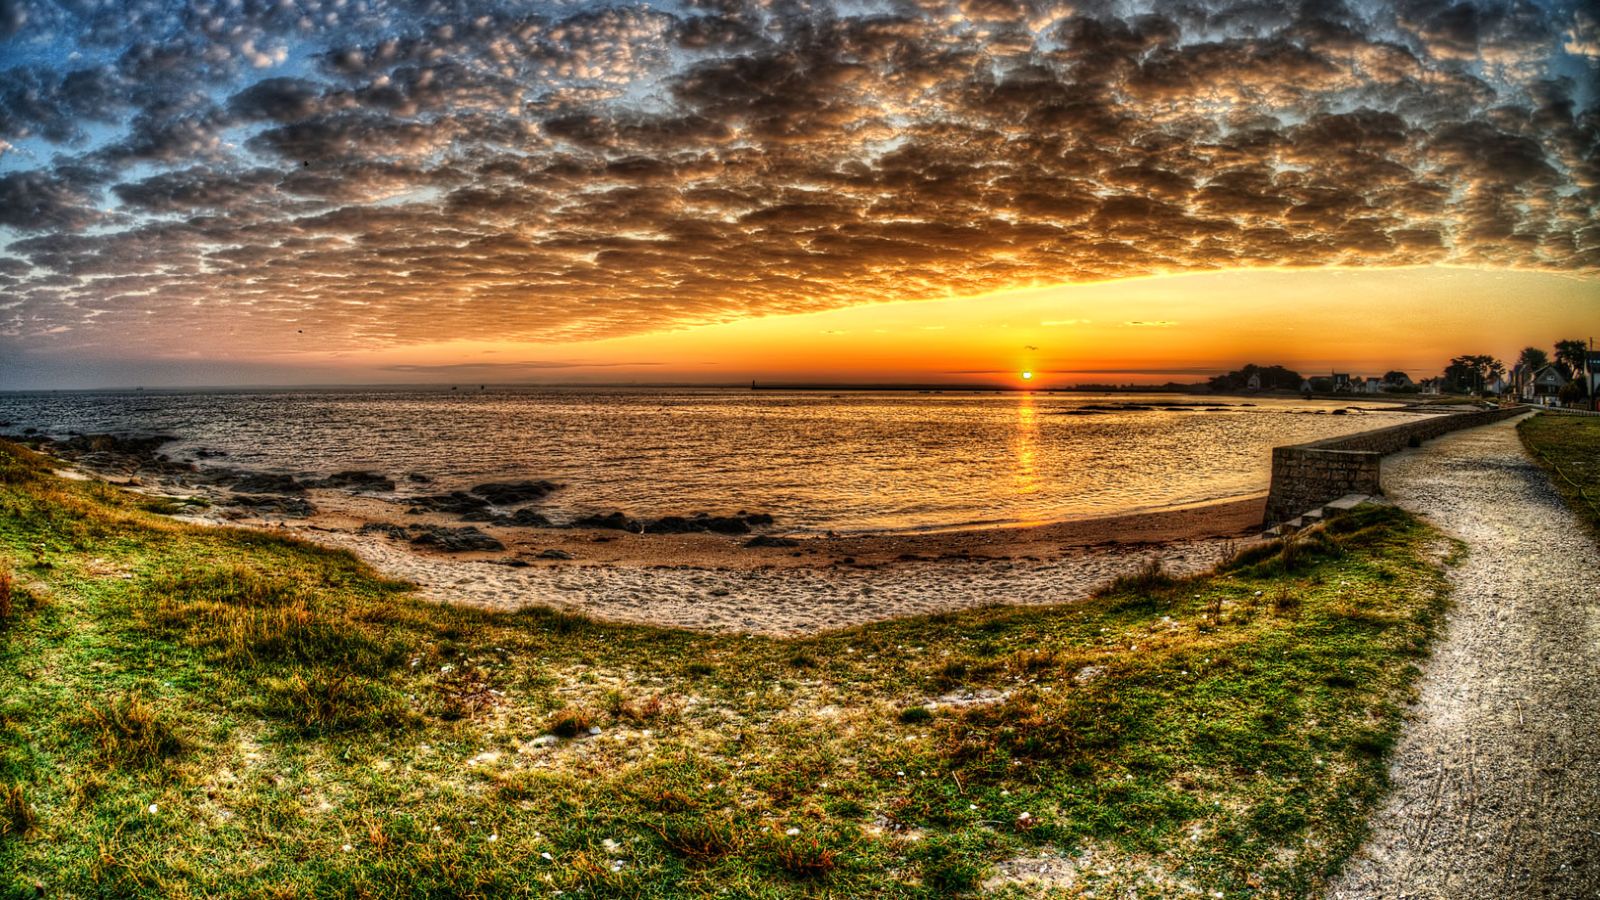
[1373,385]
[1305,386]
[1429,386]
[1519,377]
[1544,386]
[1254,382]
[1397,381]
[1341,382]
[1499,385]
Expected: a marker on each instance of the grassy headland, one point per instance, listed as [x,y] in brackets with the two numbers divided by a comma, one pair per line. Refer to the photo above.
[191,711]
[1569,447]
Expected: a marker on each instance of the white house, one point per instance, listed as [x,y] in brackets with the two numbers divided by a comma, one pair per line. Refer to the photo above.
[1254,382]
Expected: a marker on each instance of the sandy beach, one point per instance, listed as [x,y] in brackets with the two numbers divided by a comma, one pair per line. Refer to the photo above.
[716,582]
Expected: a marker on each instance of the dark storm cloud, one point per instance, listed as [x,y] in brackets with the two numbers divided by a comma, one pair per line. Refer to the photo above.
[357,176]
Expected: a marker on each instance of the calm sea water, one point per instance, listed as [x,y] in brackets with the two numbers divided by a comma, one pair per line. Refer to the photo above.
[817,460]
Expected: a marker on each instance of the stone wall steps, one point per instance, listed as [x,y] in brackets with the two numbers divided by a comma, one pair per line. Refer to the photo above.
[1312,517]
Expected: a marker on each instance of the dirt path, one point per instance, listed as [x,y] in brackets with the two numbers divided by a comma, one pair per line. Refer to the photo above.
[1497,777]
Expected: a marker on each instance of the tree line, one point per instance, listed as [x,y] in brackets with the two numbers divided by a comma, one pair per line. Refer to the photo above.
[1474,372]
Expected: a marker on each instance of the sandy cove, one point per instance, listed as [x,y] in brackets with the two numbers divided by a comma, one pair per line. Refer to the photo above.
[714,582]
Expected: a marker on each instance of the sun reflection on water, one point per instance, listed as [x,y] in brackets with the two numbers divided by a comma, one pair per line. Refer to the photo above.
[1027,440]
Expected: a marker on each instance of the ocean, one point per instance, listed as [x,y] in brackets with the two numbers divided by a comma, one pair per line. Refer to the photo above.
[819,461]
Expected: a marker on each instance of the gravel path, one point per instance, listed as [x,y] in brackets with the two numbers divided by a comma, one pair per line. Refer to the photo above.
[1496,781]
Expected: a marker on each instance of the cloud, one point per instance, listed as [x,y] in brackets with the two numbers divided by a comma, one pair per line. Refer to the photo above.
[1151,324]
[191,173]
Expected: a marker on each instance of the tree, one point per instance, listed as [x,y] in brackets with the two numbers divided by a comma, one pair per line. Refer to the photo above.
[1569,356]
[1395,377]
[1533,359]
[1273,378]
[1571,393]
[1471,373]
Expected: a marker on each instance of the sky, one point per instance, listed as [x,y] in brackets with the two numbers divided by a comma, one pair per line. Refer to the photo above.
[324,191]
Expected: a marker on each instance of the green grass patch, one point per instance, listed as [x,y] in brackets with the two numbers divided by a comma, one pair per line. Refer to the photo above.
[1569,448]
[192,711]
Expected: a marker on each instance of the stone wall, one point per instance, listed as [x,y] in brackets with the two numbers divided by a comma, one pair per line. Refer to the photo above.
[1305,476]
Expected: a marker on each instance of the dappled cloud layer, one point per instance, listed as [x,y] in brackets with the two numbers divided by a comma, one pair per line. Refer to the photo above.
[359,174]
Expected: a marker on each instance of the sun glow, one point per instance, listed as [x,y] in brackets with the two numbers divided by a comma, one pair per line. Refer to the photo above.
[1027,376]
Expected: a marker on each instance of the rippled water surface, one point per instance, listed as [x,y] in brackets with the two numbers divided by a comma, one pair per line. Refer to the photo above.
[817,460]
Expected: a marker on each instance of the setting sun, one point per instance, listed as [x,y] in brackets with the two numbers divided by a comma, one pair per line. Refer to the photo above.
[1027,376]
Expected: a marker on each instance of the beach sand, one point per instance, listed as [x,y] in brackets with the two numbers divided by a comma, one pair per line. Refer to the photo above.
[714,582]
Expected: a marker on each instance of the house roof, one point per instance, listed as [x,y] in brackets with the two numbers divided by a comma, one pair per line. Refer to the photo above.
[1550,374]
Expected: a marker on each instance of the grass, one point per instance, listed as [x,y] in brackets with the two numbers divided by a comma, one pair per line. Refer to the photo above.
[1569,447]
[189,711]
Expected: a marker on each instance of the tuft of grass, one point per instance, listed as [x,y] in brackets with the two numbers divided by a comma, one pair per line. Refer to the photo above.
[16,814]
[807,860]
[701,841]
[322,701]
[1152,577]
[249,617]
[915,715]
[948,870]
[570,722]
[128,730]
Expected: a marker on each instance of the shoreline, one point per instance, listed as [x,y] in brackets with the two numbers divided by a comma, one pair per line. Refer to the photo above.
[338,512]
[762,582]
[709,582]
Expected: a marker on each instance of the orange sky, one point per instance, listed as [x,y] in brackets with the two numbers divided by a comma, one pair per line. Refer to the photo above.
[1144,330]
[1137,330]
